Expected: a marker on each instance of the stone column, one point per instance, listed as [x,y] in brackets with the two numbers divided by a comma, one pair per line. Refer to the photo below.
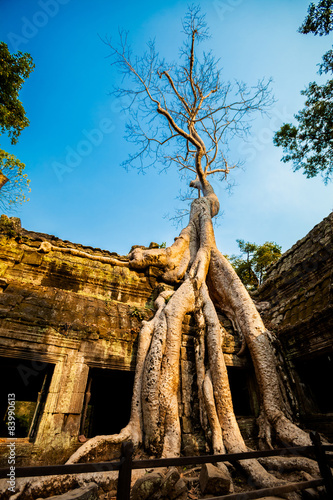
[60,423]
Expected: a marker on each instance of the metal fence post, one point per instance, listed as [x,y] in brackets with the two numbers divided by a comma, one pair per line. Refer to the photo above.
[125,471]
[324,467]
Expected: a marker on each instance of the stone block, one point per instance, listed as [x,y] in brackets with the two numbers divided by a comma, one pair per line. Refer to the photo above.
[146,486]
[72,387]
[87,492]
[80,376]
[213,481]
[187,408]
[51,402]
[169,481]
[187,382]
[70,402]
[311,494]
[187,425]
[56,377]
[32,258]
[179,489]
[71,425]
[193,444]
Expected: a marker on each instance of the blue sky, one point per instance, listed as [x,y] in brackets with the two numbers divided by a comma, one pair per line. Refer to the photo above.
[75,122]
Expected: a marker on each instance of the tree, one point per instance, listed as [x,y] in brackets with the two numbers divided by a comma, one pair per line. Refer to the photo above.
[309,144]
[187,108]
[14,70]
[252,269]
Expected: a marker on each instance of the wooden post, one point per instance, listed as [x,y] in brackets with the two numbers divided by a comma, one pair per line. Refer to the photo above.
[33,425]
[125,471]
[324,468]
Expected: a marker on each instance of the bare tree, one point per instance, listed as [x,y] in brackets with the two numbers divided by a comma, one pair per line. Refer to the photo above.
[184,114]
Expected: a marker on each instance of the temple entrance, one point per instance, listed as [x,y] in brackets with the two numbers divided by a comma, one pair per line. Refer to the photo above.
[107,404]
[243,391]
[315,376]
[27,382]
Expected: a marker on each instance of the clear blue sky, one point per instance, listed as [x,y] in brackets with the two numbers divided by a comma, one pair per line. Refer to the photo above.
[67,99]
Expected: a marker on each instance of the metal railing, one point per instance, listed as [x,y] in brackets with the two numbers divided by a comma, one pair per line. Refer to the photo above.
[126,464]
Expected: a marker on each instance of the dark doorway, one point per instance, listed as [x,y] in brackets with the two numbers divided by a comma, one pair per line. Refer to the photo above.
[108,399]
[316,376]
[27,382]
[240,390]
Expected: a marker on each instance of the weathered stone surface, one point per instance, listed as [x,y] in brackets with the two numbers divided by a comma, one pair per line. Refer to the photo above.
[298,293]
[159,486]
[76,313]
[296,301]
[213,480]
[169,481]
[193,444]
[179,489]
[146,486]
[71,311]
[312,494]
[87,492]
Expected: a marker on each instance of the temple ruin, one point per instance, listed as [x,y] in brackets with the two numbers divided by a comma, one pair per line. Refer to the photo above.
[69,322]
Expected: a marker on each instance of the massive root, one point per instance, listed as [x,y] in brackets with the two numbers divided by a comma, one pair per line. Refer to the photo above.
[204,280]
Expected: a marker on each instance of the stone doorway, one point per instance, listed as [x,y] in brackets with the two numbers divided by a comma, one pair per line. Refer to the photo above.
[107,404]
[315,384]
[243,391]
[28,383]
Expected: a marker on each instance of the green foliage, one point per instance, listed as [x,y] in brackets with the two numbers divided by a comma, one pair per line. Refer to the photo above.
[309,144]
[7,227]
[13,191]
[162,245]
[253,262]
[319,20]
[136,313]
[14,70]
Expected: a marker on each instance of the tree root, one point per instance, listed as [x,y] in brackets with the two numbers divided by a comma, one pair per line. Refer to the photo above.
[32,488]
[227,290]
[283,464]
[46,247]
[133,431]
[206,279]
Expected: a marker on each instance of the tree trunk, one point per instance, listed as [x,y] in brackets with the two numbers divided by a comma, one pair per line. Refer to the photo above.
[205,280]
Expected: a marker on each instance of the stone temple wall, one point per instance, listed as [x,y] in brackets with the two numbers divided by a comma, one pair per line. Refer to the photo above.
[68,337]
[65,315]
[296,301]
[68,334]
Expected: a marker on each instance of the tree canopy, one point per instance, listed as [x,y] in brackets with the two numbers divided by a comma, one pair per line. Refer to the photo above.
[252,264]
[14,70]
[309,144]
[182,112]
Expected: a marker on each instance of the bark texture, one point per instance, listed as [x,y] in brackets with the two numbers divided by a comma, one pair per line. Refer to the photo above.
[205,281]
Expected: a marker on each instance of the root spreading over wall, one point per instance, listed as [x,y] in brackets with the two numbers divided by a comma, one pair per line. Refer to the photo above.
[204,280]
